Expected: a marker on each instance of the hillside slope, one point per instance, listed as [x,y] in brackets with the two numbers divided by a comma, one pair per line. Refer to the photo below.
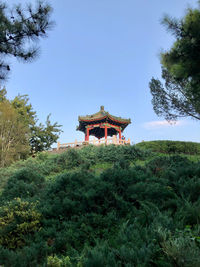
[101,206]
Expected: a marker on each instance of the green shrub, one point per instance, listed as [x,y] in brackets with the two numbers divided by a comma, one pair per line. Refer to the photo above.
[18,221]
[171,147]
[161,164]
[24,183]
[112,153]
[69,159]
[31,255]
[181,248]
[54,261]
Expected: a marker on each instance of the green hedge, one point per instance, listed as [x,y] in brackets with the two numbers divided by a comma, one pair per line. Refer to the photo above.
[171,147]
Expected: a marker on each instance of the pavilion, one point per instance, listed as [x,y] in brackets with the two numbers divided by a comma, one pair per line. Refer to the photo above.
[102,124]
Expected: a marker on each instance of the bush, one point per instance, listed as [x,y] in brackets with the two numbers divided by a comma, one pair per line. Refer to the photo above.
[69,159]
[171,147]
[161,164]
[25,183]
[31,255]
[54,261]
[112,153]
[18,221]
[181,248]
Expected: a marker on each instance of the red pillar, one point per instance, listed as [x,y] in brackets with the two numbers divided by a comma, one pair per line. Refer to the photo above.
[87,134]
[106,132]
[120,135]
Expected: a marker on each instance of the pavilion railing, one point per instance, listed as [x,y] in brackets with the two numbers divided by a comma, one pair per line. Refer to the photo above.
[113,140]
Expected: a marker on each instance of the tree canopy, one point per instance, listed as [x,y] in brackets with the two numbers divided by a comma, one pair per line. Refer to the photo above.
[41,136]
[20,29]
[14,135]
[180,94]
[20,132]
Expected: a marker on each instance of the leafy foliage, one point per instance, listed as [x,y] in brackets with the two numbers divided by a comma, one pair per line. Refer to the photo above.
[13,135]
[43,136]
[20,132]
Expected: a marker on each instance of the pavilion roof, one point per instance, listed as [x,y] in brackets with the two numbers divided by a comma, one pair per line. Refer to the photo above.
[102,114]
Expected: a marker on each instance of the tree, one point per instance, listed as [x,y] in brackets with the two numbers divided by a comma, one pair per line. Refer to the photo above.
[180,94]
[14,135]
[20,29]
[43,136]
[40,137]
[24,108]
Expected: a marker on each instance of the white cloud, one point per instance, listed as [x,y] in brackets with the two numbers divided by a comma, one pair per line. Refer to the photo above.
[163,124]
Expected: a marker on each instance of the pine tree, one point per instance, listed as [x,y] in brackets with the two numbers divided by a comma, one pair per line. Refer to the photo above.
[20,29]
[180,95]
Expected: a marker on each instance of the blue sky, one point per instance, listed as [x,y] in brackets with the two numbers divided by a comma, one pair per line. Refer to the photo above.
[102,52]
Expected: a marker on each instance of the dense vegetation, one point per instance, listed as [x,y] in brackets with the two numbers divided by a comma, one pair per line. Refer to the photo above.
[101,206]
[171,147]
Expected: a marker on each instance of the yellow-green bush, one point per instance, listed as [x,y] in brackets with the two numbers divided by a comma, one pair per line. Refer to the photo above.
[18,220]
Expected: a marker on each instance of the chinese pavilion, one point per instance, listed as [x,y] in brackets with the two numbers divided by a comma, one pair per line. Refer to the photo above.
[102,124]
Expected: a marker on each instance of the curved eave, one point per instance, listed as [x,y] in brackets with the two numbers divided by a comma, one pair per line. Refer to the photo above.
[119,120]
[115,119]
[92,119]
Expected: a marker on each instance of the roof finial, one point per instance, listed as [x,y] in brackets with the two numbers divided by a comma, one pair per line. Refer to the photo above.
[102,108]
